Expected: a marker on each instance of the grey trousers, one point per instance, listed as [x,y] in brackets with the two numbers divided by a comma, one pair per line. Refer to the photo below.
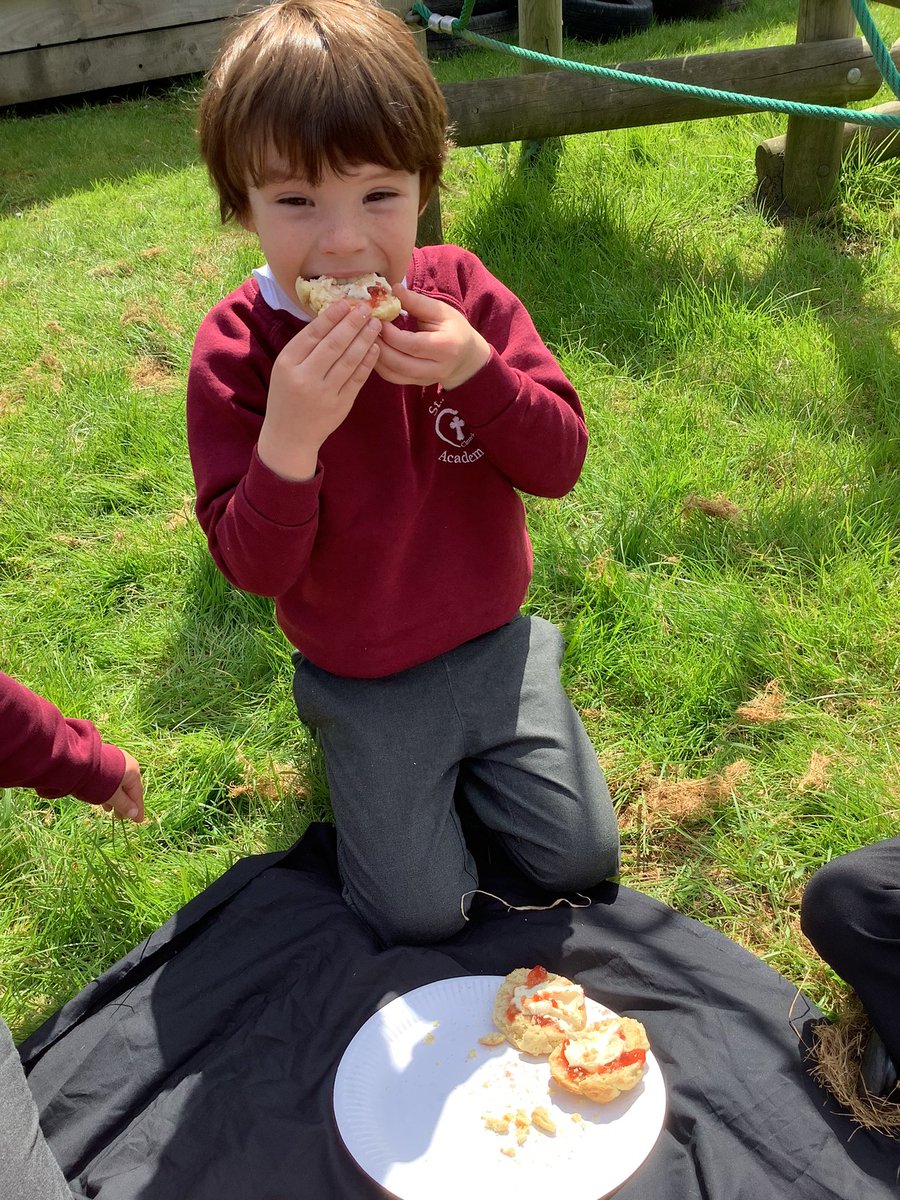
[488,721]
[850,911]
[28,1171]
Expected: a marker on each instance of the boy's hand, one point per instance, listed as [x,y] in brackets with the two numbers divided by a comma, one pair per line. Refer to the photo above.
[445,349]
[128,799]
[315,380]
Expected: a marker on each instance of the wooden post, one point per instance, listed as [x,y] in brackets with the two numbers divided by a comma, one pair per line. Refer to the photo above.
[429,232]
[876,142]
[540,29]
[812,154]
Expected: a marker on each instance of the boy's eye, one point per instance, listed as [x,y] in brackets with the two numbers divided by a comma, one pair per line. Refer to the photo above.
[382,194]
[295,201]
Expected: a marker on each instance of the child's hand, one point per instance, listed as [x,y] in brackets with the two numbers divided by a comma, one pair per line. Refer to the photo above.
[315,380]
[445,349]
[128,798]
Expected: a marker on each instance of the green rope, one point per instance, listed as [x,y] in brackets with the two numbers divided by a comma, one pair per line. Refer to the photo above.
[880,52]
[466,14]
[452,26]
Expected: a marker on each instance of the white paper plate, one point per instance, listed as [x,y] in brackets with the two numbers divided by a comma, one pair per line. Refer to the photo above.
[414,1086]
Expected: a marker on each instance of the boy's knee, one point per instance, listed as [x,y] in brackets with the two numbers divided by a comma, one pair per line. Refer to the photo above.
[581,864]
[418,928]
[397,921]
[833,900]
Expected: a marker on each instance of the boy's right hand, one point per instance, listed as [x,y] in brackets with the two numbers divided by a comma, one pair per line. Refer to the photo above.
[315,380]
[128,798]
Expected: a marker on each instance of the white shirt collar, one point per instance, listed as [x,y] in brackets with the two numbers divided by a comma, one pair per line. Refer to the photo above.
[274,295]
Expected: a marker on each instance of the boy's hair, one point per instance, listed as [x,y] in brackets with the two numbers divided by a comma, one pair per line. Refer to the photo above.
[321,84]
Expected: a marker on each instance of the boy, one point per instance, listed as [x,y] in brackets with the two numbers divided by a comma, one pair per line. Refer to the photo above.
[365,474]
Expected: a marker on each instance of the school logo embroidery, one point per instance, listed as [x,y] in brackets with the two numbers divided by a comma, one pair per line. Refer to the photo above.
[451,428]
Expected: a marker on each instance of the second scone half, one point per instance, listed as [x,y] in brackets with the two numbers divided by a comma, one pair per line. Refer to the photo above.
[602,1061]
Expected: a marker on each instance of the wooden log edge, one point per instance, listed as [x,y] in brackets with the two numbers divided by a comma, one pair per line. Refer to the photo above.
[560,103]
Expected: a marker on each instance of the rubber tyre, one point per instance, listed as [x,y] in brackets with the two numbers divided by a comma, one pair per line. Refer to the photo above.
[453,8]
[603,21]
[489,24]
[693,10]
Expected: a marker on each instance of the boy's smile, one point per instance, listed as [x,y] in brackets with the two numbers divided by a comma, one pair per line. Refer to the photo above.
[346,225]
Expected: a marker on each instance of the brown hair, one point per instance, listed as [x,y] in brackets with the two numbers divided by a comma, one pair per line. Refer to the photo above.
[322,84]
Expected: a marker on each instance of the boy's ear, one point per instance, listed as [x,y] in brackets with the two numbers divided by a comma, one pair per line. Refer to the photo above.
[245,220]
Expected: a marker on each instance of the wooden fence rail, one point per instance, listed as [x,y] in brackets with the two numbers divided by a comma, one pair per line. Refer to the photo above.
[52,48]
[510,108]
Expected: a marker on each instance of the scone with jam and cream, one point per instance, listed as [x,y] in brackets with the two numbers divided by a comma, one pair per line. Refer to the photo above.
[536,1010]
[602,1061]
[370,291]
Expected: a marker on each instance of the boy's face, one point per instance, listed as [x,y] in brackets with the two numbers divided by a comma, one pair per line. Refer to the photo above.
[345,226]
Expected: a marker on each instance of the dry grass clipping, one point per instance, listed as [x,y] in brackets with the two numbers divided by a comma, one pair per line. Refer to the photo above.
[719,507]
[815,778]
[835,1056]
[149,373]
[8,402]
[281,781]
[182,515]
[765,707]
[687,800]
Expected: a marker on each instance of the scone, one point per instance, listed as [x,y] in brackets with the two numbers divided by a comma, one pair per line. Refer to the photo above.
[536,1010]
[603,1060]
[373,290]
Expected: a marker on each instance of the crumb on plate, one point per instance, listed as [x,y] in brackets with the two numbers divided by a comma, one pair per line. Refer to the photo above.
[542,1120]
[497,1124]
[522,1125]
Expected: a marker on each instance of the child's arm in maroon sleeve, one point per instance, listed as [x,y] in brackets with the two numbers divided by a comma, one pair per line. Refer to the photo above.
[42,749]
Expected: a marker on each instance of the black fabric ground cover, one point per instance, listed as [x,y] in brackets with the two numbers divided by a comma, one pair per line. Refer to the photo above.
[200,1067]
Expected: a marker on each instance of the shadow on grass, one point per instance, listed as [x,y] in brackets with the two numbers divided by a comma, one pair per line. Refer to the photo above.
[223,685]
[223,662]
[628,294]
[56,148]
[676,625]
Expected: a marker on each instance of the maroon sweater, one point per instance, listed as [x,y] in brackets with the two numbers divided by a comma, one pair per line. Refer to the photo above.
[41,749]
[410,539]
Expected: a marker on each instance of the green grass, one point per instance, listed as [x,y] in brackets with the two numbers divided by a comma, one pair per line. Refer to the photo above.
[718,355]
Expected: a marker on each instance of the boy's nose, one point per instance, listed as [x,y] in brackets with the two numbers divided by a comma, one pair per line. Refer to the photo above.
[342,237]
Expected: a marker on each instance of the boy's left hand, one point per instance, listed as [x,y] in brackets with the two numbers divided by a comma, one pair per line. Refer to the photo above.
[445,349]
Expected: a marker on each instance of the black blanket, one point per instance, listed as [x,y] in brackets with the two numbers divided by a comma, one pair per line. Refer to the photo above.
[201,1066]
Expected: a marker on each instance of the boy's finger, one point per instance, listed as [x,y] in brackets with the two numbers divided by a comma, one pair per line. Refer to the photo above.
[417,305]
[356,324]
[346,363]
[303,343]
[410,344]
